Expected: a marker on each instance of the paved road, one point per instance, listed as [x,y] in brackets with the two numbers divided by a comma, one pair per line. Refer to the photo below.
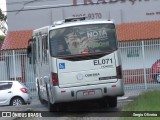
[91,110]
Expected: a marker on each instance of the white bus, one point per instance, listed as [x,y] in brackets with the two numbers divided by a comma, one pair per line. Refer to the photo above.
[77,60]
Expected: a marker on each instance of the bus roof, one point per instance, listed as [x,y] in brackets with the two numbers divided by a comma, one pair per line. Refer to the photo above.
[62,24]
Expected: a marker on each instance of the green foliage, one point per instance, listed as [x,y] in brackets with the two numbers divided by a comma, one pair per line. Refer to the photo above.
[148,102]
[3,22]
[2,37]
[2,16]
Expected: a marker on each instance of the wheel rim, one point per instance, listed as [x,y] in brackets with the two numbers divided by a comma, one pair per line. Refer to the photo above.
[158,78]
[16,102]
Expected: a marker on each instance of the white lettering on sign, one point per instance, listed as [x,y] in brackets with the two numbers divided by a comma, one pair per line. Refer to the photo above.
[97,34]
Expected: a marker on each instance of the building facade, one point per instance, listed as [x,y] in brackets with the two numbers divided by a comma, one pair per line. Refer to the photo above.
[32,14]
[137,22]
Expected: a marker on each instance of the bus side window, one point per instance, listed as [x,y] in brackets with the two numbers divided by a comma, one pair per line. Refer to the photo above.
[34,51]
[39,48]
[44,48]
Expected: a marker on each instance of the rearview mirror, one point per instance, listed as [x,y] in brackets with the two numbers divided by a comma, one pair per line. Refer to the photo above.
[29,50]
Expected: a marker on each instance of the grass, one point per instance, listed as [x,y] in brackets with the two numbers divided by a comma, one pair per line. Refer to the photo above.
[148,103]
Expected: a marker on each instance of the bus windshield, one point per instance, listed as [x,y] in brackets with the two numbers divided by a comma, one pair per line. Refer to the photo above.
[88,39]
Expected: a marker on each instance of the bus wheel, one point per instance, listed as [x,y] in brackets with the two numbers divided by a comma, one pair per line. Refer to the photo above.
[112,102]
[51,107]
[103,103]
[39,95]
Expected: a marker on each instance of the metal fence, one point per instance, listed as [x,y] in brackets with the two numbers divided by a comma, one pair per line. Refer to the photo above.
[14,65]
[137,60]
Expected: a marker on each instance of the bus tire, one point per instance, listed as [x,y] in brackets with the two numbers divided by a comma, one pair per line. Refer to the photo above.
[112,102]
[42,101]
[103,103]
[51,107]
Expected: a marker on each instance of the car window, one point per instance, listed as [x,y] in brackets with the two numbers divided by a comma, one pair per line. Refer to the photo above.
[5,85]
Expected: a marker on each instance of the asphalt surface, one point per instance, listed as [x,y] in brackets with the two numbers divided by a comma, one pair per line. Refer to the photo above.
[92,111]
[37,106]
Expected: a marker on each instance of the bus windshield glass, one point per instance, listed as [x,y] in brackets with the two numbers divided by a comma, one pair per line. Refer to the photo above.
[88,39]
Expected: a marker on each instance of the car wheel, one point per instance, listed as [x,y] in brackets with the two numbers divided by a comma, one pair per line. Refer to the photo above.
[158,78]
[17,101]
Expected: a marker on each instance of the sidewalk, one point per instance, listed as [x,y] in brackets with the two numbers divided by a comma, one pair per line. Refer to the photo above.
[137,92]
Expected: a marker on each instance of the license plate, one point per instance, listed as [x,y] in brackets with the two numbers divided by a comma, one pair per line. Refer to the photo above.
[86,93]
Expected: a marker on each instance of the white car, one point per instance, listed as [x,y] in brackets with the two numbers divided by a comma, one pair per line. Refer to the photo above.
[13,93]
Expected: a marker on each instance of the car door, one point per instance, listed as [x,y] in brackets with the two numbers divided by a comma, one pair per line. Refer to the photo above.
[5,92]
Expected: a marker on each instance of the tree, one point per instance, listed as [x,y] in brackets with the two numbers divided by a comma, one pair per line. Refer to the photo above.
[3,23]
[2,16]
[2,37]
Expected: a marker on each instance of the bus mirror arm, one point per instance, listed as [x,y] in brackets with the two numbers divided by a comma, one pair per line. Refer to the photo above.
[29,48]
[29,54]
[29,51]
